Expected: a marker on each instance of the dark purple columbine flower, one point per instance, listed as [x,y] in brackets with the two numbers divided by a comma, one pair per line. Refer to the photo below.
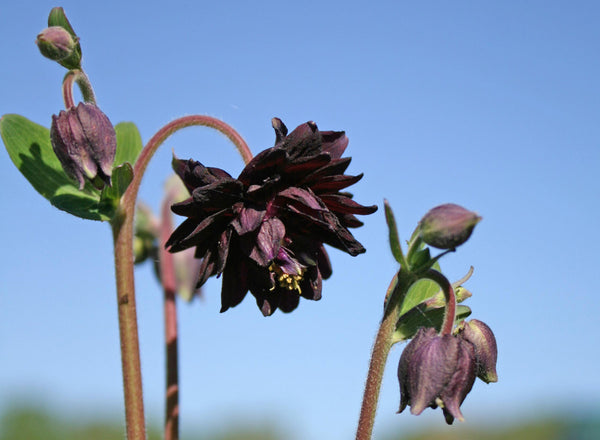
[264,231]
[436,370]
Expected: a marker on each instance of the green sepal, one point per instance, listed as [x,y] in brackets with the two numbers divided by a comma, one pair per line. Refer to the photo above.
[57,17]
[129,143]
[111,195]
[28,145]
[423,316]
[395,246]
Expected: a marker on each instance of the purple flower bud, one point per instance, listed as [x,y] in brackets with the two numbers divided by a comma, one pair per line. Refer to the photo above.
[447,226]
[56,43]
[85,142]
[436,370]
[486,351]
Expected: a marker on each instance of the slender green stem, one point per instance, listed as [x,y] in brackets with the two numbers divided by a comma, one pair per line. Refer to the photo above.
[79,77]
[381,349]
[450,311]
[122,225]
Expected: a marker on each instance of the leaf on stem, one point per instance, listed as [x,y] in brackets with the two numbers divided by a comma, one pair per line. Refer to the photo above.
[28,145]
[393,234]
[129,143]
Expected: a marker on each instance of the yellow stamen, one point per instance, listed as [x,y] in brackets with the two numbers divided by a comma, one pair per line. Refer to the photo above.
[285,280]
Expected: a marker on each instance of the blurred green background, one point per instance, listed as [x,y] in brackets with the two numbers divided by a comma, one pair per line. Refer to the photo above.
[28,421]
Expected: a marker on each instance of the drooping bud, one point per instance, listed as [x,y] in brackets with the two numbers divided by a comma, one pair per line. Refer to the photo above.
[486,351]
[56,43]
[447,226]
[436,370]
[85,142]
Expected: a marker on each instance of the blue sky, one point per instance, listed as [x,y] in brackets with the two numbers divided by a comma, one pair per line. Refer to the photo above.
[494,106]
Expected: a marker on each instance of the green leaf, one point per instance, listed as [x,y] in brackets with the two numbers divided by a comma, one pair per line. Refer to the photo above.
[420,291]
[421,316]
[111,195]
[129,143]
[28,145]
[393,234]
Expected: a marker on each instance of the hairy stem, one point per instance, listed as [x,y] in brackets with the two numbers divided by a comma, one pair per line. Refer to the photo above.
[122,225]
[169,283]
[381,349]
[130,351]
[79,77]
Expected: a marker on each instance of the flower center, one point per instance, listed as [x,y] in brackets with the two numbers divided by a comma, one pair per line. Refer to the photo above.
[286,280]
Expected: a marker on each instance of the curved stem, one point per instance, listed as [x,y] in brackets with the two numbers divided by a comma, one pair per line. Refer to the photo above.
[82,80]
[122,225]
[381,349]
[450,312]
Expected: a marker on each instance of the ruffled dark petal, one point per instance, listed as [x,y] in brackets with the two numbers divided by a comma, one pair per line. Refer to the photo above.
[268,241]
[311,284]
[194,174]
[334,183]
[281,130]
[335,167]
[350,221]
[210,227]
[334,143]
[323,263]
[288,300]
[304,141]
[248,220]
[207,268]
[235,283]
[343,204]
[297,170]
[264,165]
[326,230]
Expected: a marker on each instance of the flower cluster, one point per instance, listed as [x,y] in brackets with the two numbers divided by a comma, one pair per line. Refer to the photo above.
[439,370]
[264,231]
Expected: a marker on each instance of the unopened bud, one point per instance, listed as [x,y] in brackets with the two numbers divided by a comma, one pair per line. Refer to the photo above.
[85,143]
[56,43]
[486,351]
[447,226]
[436,370]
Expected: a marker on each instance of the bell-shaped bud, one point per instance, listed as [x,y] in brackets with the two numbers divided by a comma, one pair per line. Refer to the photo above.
[56,43]
[436,370]
[486,351]
[85,142]
[447,226]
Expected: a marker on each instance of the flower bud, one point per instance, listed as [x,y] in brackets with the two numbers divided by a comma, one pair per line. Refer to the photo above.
[447,226]
[85,142]
[486,351]
[56,43]
[436,370]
